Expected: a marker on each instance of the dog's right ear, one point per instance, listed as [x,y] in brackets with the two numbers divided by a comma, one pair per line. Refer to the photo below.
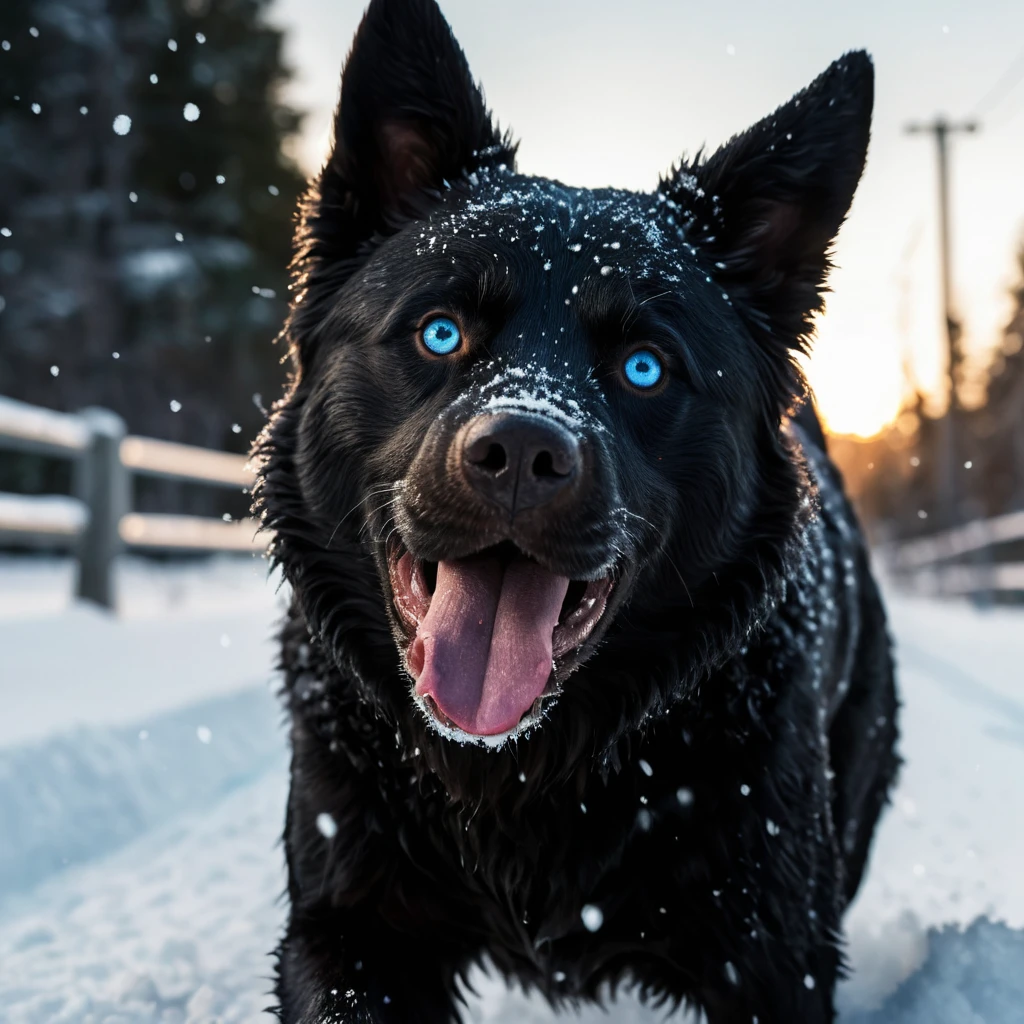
[410,122]
[765,208]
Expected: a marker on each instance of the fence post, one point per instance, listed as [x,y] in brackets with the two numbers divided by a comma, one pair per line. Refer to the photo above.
[102,484]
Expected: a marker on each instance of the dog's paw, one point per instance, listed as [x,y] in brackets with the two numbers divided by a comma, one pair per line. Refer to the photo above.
[341,1006]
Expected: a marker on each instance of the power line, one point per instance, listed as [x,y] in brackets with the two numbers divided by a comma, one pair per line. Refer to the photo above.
[1002,88]
[1007,115]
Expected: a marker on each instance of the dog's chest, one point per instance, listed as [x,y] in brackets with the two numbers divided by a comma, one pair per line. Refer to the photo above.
[631,857]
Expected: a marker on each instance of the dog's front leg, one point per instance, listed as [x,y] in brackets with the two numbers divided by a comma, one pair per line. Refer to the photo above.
[363,945]
[347,967]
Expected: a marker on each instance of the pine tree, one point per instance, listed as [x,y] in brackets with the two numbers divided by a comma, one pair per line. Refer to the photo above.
[999,424]
[146,264]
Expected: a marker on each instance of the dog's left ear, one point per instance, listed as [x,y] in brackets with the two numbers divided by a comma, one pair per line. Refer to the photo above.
[410,122]
[766,207]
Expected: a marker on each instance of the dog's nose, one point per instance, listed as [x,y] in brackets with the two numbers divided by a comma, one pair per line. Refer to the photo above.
[519,460]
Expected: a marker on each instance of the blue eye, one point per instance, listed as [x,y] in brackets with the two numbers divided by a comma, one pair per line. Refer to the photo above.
[643,369]
[441,336]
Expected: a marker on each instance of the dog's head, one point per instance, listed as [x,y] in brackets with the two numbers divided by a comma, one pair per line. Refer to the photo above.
[535,427]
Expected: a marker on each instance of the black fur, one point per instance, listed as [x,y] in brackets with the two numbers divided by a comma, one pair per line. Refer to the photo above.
[710,776]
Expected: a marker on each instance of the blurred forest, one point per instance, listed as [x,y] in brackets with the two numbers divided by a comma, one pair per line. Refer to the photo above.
[894,477]
[146,202]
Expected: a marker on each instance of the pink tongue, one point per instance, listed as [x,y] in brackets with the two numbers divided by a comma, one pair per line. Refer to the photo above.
[483,650]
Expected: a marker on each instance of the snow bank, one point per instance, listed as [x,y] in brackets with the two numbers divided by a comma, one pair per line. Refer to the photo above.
[970,976]
[175,927]
[87,792]
[183,633]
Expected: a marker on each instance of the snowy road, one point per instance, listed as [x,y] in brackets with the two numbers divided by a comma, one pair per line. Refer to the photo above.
[139,865]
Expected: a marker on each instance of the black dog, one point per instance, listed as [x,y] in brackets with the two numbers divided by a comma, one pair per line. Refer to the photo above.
[586,669]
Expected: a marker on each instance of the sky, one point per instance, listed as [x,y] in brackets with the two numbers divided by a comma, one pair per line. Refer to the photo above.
[610,92]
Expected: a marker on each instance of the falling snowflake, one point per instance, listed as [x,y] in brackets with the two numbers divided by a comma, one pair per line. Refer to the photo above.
[326,825]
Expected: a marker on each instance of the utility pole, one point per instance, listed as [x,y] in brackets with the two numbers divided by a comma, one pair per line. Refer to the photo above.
[949,465]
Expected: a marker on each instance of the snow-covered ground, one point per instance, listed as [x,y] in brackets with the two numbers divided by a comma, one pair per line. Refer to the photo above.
[143,777]
[184,632]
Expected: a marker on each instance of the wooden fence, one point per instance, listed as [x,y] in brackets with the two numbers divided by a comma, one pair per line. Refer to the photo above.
[98,522]
[983,559]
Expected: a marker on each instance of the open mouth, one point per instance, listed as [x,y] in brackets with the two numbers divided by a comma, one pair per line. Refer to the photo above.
[488,633]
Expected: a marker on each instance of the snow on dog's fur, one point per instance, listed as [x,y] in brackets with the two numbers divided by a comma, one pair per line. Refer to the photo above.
[586,669]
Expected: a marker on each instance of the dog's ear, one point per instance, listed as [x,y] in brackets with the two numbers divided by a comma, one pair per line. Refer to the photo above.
[765,208]
[410,122]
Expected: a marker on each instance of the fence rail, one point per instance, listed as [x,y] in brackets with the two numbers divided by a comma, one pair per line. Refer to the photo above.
[28,428]
[189,533]
[97,523]
[47,521]
[149,457]
[966,561]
